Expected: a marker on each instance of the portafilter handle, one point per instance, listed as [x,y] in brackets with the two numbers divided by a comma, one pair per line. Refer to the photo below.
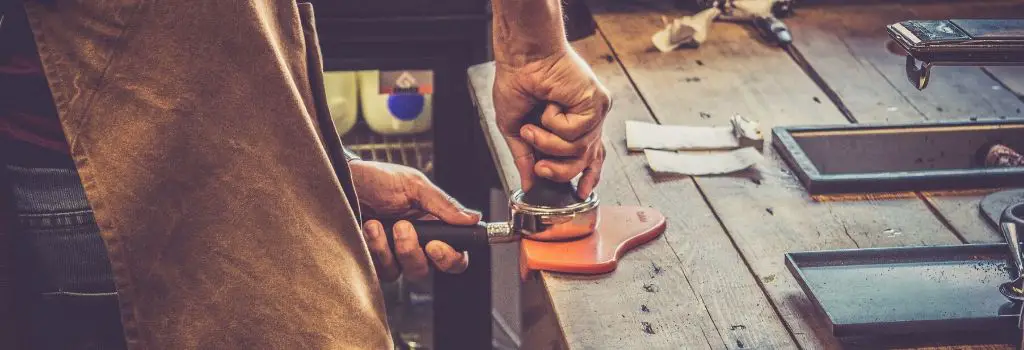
[544,193]
[460,237]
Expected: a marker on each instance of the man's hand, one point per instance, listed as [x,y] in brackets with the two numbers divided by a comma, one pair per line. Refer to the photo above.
[396,191]
[535,64]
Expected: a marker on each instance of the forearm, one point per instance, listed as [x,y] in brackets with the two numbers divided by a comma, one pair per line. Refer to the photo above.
[527,30]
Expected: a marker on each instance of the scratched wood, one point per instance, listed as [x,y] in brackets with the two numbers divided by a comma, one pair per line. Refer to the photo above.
[847,46]
[734,73]
[607,311]
[1011,77]
[694,243]
[962,211]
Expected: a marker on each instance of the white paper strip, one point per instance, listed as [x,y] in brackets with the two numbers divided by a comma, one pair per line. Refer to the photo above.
[741,133]
[702,162]
[640,135]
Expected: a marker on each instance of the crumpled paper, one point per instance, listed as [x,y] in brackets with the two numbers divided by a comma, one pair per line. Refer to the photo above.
[685,30]
[702,163]
[740,133]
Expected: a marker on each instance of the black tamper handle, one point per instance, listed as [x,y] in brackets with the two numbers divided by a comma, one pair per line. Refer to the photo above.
[544,191]
[459,237]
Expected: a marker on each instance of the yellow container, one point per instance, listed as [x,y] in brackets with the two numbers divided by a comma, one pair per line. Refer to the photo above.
[393,114]
[342,99]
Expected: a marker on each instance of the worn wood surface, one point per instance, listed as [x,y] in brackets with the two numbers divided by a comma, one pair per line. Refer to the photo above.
[767,219]
[607,311]
[847,46]
[716,279]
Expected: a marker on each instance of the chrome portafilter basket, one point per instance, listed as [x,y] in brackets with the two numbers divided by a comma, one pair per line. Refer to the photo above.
[543,223]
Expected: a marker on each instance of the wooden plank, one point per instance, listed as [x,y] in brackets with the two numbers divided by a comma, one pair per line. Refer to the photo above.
[694,253]
[962,211]
[734,73]
[606,310]
[1012,78]
[738,307]
[846,46]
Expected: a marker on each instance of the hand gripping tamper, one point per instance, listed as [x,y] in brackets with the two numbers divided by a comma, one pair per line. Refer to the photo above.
[560,231]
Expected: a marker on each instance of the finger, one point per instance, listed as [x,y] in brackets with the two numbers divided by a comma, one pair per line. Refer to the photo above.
[435,201]
[509,118]
[561,170]
[571,126]
[564,170]
[522,156]
[549,143]
[446,258]
[592,174]
[410,254]
[383,260]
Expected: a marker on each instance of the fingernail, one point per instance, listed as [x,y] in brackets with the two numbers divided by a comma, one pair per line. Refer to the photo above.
[373,230]
[527,134]
[544,172]
[435,252]
[401,228]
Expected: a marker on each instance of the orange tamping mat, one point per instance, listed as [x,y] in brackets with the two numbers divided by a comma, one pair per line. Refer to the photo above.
[619,229]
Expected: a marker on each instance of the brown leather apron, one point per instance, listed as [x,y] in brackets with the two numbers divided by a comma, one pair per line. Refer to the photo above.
[205,147]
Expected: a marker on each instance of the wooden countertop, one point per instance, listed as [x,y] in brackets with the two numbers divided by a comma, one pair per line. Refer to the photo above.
[716,278]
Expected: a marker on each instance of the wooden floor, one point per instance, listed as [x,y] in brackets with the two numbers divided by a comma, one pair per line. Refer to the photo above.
[716,278]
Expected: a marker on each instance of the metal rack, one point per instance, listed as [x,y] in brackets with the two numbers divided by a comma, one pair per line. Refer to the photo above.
[416,151]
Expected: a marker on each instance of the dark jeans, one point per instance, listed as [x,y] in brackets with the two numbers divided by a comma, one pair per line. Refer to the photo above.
[68,297]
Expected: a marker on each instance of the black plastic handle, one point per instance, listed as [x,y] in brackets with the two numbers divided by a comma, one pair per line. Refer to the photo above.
[544,191]
[459,237]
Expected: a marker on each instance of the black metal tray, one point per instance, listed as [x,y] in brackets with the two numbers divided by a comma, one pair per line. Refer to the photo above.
[891,291]
[898,157]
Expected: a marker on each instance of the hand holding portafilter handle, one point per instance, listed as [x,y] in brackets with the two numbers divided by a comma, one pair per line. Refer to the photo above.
[544,193]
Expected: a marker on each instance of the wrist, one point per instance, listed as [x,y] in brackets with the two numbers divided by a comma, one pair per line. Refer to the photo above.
[521,56]
[525,31]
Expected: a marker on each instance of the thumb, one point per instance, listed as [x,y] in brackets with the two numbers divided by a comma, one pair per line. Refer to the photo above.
[510,107]
[522,155]
[434,201]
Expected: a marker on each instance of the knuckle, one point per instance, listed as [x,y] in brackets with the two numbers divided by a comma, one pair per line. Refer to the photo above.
[406,251]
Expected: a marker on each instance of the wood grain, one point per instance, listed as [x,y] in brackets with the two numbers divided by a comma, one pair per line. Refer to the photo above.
[846,46]
[694,252]
[1012,78]
[734,73]
[713,300]
[606,311]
